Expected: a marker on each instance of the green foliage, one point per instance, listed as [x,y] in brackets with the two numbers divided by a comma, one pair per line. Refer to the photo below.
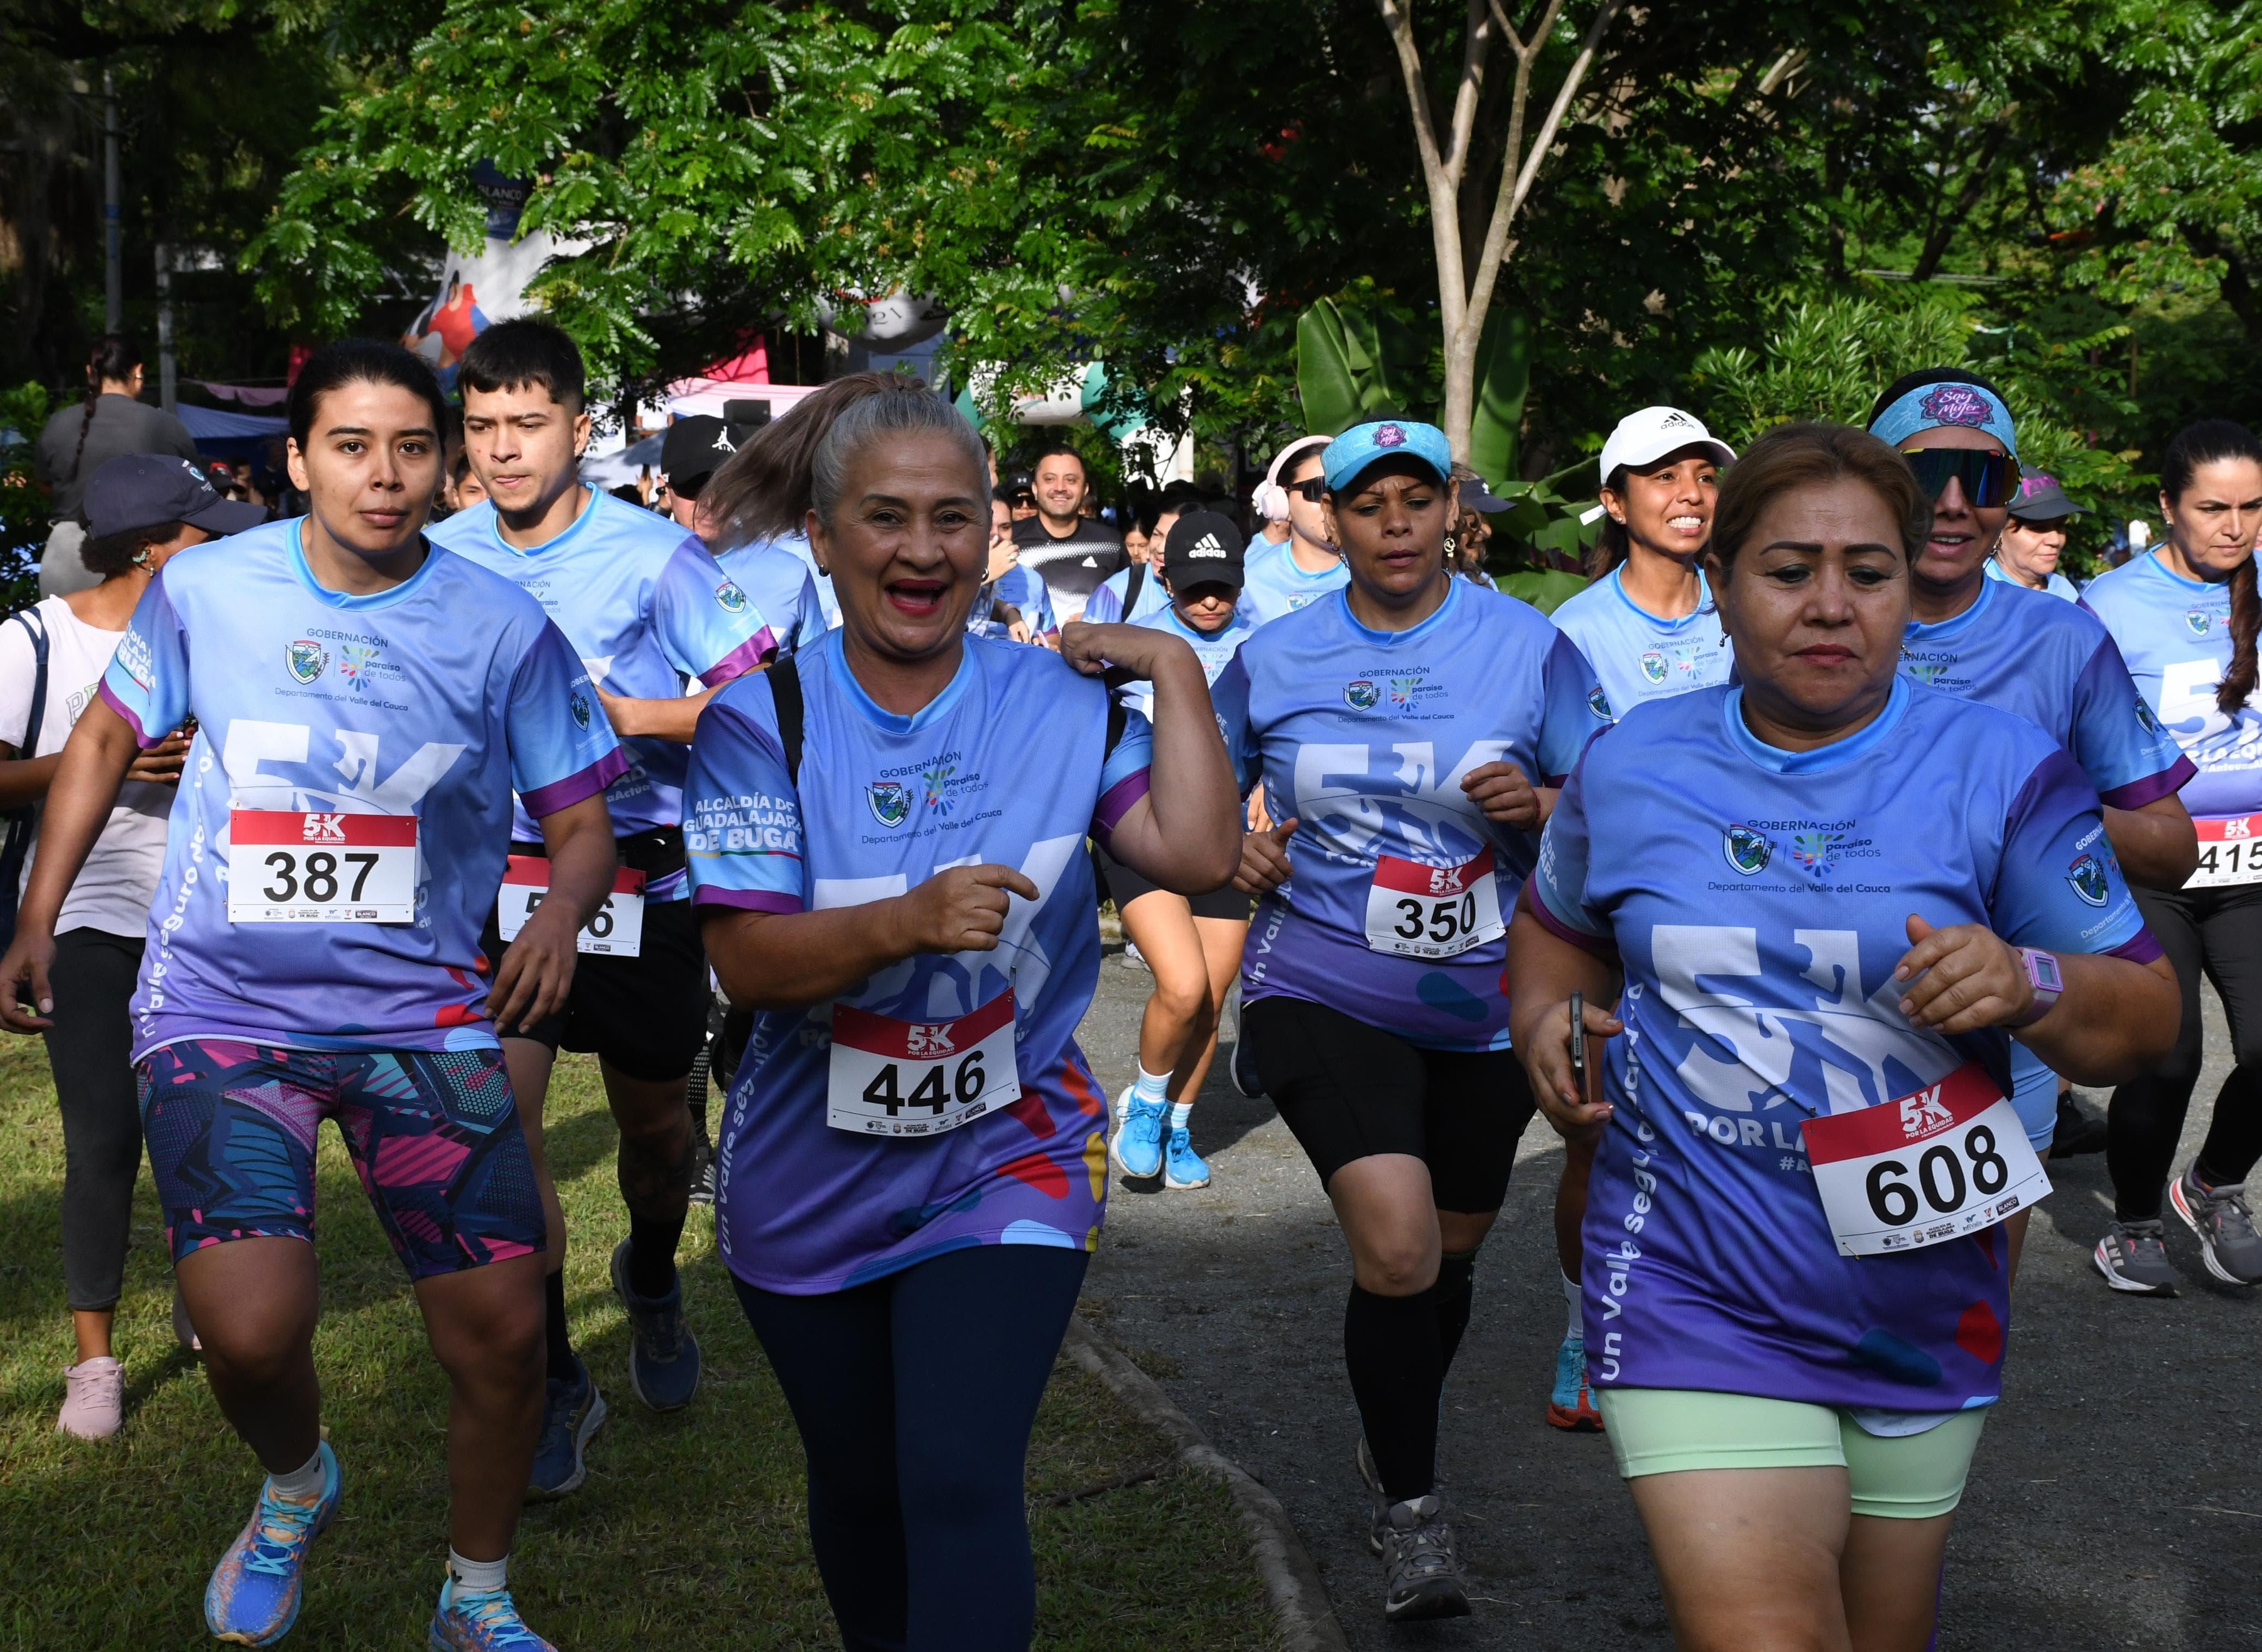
[1354,361]
[1504,379]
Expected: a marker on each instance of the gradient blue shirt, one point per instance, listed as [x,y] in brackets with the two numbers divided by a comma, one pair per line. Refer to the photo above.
[1638,657]
[782,591]
[1105,606]
[437,698]
[2057,585]
[1273,584]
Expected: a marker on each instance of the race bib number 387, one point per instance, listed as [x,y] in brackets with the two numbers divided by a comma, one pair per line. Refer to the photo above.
[1939,1163]
[1432,911]
[891,1077]
[286,867]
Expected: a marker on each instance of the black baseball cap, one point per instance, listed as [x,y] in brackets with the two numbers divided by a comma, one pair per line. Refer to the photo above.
[1204,548]
[2041,499]
[146,490]
[695,446]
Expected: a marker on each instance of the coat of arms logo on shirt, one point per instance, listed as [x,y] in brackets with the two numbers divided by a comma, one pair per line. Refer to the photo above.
[1653,666]
[1361,695]
[2198,620]
[2144,716]
[730,598]
[579,705]
[890,804]
[307,659]
[1599,703]
[1746,850]
[2088,877]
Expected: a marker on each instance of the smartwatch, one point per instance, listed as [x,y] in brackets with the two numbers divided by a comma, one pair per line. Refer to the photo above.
[2044,976]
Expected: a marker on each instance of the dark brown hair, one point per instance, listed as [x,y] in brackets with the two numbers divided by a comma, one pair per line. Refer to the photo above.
[1793,456]
[1611,545]
[2211,442]
[112,554]
[111,361]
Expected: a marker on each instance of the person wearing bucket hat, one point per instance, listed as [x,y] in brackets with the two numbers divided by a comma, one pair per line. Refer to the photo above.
[2035,537]
[1410,730]
[139,510]
[2052,663]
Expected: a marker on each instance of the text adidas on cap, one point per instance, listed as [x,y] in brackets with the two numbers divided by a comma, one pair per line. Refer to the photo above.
[1645,437]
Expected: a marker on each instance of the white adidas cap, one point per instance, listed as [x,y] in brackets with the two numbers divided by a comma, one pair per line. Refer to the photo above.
[1645,437]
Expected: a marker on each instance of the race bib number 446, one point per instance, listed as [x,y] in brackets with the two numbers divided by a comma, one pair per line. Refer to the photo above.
[286,868]
[1432,911]
[891,1077]
[1939,1163]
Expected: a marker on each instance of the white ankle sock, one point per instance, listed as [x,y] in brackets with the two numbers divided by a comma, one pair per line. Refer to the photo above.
[480,1577]
[1180,1112]
[1575,1300]
[303,1484]
[1150,1087]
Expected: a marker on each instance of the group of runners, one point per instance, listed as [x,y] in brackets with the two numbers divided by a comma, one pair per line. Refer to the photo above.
[1790,870]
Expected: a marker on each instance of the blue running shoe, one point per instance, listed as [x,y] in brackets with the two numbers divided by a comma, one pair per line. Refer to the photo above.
[1181,1166]
[1138,1148]
[663,1354]
[1572,1405]
[253,1599]
[481,1620]
[571,1412]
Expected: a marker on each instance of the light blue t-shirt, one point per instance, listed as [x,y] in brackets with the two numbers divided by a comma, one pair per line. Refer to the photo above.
[782,589]
[885,802]
[1273,584]
[1362,736]
[2057,585]
[798,544]
[2175,635]
[436,699]
[645,607]
[1214,649]
[1757,901]
[1105,606]
[1638,657]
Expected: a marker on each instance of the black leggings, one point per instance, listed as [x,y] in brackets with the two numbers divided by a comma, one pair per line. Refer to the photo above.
[87,1047]
[2218,931]
[915,1395]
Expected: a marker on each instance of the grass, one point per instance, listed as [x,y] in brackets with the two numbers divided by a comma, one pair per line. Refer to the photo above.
[691,1526]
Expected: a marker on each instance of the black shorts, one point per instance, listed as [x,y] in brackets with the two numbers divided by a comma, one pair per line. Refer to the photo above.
[1349,1091]
[645,1016]
[1123,886]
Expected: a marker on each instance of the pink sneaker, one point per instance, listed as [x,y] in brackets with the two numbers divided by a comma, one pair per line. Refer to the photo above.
[94,1399]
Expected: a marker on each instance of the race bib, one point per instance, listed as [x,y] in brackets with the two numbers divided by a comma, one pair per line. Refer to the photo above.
[2230,852]
[1432,911]
[1942,1162]
[891,1077]
[616,928]
[284,868]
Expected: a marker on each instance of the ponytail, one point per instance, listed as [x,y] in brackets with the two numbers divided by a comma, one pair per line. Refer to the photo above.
[2212,441]
[1612,546]
[798,462]
[112,359]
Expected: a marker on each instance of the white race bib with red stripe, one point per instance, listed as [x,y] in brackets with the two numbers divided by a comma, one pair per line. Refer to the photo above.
[1432,911]
[616,928]
[286,867]
[1942,1162]
[891,1077]
[2229,853]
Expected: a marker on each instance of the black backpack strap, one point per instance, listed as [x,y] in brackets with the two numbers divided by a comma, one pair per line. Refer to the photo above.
[785,691]
[1131,588]
[37,629]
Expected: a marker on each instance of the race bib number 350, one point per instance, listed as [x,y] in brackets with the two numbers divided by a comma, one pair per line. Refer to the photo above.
[284,868]
[1942,1162]
[1432,911]
[891,1077]
[2229,853]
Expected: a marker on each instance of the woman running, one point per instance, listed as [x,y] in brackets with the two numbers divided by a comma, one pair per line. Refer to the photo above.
[2186,617]
[365,707]
[1193,945]
[2034,538]
[1410,728]
[1299,571]
[1647,626]
[887,847]
[1794,1256]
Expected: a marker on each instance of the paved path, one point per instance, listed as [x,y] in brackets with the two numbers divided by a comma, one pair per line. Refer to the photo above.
[2117,1500]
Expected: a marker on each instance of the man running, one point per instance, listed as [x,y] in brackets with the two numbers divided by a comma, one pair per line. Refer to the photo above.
[645,607]
[1072,554]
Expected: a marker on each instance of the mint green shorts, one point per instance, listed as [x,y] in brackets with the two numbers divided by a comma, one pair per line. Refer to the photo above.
[1673,1430]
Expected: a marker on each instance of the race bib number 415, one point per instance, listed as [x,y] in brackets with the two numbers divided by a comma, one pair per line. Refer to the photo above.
[286,868]
[891,1077]
[1939,1163]
[2229,853]
[1432,911]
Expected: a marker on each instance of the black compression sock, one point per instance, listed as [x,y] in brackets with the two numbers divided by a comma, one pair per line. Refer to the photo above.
[1397,1374]
[1452,1294]
[560,1362]
[652,1255]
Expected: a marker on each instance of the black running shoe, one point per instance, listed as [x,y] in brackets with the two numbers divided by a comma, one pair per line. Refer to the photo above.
[1243,1067]
[2076,1132]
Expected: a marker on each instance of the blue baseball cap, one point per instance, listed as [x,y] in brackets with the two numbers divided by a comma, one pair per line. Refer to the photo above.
[1364,444]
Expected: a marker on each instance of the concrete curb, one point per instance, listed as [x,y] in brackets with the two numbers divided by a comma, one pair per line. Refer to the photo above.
[1291,1581]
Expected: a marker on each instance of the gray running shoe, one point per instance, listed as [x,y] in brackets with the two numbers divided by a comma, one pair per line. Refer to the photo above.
[2133,1256]
[1422,1575]
[1377,1533]
[2225,1227]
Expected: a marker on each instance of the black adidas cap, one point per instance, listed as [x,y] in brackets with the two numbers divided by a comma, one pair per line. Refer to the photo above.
[1203,548]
